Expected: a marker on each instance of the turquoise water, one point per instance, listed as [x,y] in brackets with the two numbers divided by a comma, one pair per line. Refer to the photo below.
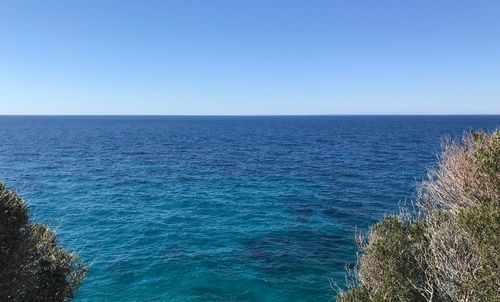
[218,208]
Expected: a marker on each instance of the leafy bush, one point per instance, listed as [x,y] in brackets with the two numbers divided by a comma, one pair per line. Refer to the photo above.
[449,249]
[33,267]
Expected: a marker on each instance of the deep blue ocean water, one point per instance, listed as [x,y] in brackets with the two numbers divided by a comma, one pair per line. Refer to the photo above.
[218,208]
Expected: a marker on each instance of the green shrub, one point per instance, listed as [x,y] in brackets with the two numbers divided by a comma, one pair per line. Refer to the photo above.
[448,251]
[389,249]
[33,267]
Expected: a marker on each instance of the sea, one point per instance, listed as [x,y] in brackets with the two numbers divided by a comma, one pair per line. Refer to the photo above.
[219,208]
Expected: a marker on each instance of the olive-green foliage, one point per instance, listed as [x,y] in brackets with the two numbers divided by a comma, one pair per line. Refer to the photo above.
[481,224]
[388,267]
[357,293]
[33,267]
[449,250]
[391,250]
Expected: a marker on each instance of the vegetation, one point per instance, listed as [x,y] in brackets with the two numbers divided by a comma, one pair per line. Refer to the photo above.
[449,249]
[33,267]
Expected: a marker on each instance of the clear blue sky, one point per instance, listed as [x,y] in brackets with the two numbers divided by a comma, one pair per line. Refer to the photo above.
[250,57]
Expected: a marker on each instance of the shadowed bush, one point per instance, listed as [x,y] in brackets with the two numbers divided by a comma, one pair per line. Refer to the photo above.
[448,251]
[33,267]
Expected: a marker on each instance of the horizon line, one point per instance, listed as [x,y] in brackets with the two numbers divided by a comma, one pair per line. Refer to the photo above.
[255,115]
